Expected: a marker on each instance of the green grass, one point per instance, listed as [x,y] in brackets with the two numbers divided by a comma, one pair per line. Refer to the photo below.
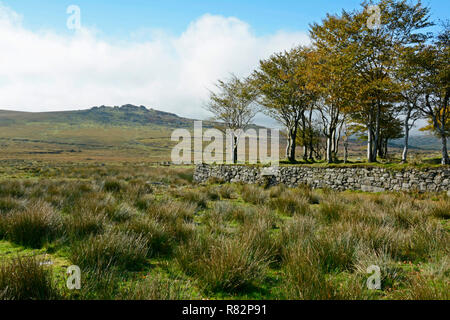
[148,232]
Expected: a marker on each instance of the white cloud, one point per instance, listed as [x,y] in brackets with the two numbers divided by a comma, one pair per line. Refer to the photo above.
[43,71]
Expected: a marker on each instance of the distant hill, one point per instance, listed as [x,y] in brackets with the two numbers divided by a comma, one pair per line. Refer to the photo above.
[126,115]
[126,133]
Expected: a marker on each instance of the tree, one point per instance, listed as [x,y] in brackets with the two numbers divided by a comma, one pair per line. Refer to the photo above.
[347,133]
[391,128]
[409,78]
[314,139]
[234,106]
[282,83]
[433,61]
[332,77]
[375,55]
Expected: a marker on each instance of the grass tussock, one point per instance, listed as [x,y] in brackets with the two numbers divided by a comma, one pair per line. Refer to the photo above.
[253,194]
[224,264]
[291,203]
[26,278]
[34,226]
[161,237]
[84,223]
[119,249]
[441,209]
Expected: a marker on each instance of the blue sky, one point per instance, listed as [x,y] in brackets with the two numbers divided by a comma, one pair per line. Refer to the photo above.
[161,54]
[119,18]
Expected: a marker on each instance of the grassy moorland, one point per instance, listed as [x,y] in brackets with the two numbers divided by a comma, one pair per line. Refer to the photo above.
[128,133]
[136,134]
[142,232]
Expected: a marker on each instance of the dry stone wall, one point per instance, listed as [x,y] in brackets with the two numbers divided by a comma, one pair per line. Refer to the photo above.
[371,179]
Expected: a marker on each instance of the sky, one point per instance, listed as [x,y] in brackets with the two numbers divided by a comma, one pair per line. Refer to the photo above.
[161,54]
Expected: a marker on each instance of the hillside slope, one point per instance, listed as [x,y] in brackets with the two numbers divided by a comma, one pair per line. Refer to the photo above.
[100,133]
[128,115]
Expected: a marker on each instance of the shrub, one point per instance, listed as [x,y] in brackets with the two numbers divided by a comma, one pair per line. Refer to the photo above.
[25,278]
[34,226]
[113,249]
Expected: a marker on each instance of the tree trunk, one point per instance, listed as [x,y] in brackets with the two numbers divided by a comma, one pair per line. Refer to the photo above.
[369,139]
[386,148]
[377,133]
[381,148]
[292,145]
[310,138]
[305,146]
[369,143]
[405,148]
[345,151]
[329,150]
[288,146]
[235,150]
[334,145]
[445,158]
